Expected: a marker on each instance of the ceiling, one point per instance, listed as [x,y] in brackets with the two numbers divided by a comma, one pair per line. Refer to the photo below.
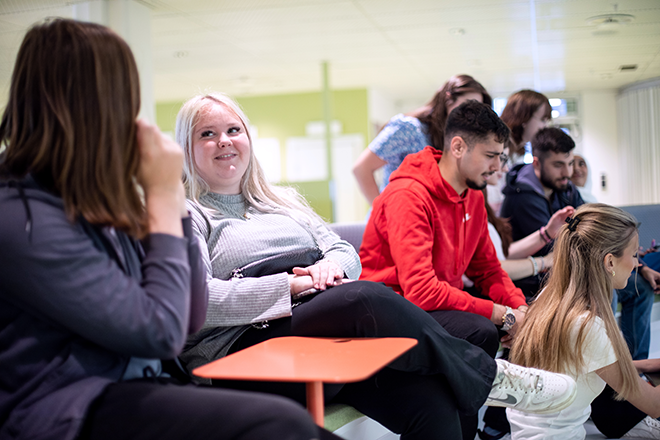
[405,49]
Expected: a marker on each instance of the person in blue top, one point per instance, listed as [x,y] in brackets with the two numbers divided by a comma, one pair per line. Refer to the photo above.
[411,132]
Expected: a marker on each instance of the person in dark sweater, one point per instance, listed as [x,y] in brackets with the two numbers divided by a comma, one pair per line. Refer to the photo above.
[534,192]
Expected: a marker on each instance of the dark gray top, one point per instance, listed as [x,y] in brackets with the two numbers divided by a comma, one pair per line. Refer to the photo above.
[79,304]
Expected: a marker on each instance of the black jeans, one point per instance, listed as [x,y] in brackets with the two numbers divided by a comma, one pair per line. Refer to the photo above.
[420,394]
[475,329]
[156,409]
[479,331]
[614,417]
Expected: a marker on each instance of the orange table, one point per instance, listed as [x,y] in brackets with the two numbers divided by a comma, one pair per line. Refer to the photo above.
[309,360]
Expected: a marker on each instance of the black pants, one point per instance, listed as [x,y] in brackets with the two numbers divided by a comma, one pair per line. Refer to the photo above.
[479,331]
[149,409]
[475,329]
[614,417]
[420,394]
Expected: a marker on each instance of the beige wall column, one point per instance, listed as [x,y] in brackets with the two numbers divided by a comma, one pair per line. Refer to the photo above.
[601,148]
[132,21]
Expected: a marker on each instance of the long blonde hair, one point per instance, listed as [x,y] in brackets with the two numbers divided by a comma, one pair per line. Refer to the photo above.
[579,286]
[258,192]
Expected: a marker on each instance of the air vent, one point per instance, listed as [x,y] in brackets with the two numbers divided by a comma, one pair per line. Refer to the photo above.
[628,68]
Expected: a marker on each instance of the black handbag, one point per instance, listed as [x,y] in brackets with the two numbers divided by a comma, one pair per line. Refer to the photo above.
[284,262]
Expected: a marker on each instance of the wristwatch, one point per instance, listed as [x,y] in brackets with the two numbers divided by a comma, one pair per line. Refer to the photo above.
[508,320]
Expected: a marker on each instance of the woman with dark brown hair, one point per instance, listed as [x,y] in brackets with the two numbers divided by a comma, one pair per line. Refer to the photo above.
[526,112]
[410,133]
[97,285]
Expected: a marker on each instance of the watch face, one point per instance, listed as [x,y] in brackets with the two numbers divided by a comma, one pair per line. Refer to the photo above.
[509,319]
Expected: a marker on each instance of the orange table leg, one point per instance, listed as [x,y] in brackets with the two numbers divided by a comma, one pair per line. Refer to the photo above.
[315,401]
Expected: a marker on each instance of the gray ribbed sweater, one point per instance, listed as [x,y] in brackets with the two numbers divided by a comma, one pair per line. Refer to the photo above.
[237,237]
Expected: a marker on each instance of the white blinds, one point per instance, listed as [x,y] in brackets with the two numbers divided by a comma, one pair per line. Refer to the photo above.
[638,115]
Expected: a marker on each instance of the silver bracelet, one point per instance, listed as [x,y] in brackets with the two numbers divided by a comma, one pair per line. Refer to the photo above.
[536,267]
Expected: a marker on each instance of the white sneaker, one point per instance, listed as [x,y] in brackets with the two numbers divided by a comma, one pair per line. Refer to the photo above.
[647,428]
[530,390]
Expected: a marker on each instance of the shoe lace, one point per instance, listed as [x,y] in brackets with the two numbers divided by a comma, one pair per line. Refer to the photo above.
[653,423]
[521,379]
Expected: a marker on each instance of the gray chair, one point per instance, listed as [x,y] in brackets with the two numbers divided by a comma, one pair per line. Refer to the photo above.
[351,232]
[649,217]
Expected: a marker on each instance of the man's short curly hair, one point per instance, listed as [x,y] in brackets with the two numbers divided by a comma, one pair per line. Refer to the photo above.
[474,122]
[551,140]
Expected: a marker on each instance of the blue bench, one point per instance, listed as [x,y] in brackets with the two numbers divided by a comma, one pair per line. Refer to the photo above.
[649,217]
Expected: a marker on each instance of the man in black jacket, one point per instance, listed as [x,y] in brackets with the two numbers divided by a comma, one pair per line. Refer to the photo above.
[536,191]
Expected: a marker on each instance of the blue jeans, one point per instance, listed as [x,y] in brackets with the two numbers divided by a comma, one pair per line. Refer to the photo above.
[636,315]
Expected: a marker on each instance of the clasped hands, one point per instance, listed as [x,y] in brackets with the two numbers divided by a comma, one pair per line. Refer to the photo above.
[319,276]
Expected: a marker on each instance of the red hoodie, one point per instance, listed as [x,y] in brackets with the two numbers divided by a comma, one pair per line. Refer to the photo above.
[422,237]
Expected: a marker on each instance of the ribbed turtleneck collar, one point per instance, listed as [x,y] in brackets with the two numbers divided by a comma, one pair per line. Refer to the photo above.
[230,205]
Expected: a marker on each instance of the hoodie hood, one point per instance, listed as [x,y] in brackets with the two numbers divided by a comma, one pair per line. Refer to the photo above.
[28,183]
[422,237]
[523,178]
[423,168]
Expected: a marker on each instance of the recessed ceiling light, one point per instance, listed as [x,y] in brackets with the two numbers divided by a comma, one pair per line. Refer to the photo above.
[181,54]
[610,19]
[609,24]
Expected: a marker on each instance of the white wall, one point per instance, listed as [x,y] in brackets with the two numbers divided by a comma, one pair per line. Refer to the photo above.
[638,111]
[380,108]
[600,146]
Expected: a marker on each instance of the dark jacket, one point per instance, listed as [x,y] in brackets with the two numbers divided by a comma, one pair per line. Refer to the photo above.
[79,304]
[526,206]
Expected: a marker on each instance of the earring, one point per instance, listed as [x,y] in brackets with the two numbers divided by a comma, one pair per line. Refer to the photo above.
[613,273]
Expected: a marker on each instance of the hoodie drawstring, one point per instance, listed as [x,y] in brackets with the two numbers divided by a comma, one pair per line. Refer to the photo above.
[28,212]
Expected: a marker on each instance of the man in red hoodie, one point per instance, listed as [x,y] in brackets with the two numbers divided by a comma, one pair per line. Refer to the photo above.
[429,227]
